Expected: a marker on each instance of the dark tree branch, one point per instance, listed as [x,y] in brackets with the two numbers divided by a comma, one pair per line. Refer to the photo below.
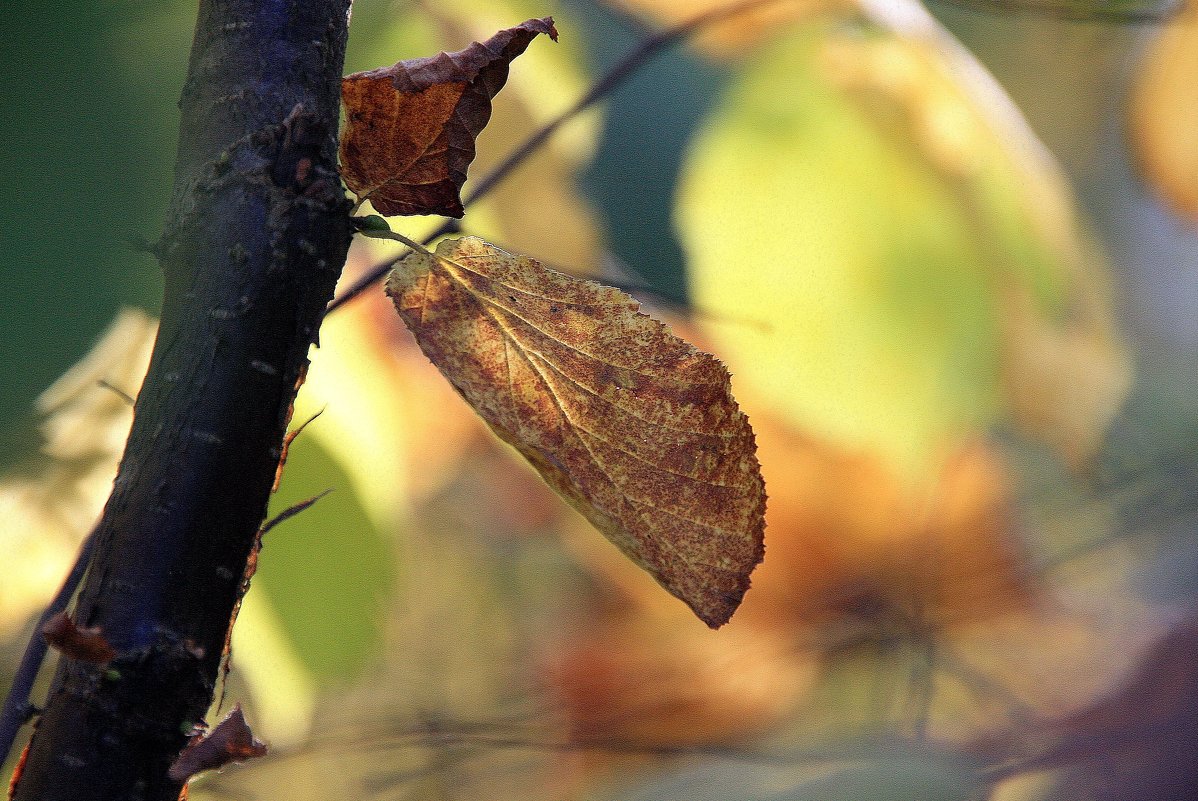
[255,239]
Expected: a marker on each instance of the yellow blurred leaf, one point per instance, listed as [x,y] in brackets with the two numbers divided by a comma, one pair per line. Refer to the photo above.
[85,418]
[1063,366]
[284,688]
[1163,109]
[634,427]
[46,515]
[905,200]
[387,416]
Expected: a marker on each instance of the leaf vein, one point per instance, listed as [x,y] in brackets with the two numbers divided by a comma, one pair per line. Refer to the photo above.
[630,412]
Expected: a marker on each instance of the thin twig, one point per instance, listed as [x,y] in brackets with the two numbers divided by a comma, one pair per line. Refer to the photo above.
[120,393]
[613,79]
[17,708]
[1113,14]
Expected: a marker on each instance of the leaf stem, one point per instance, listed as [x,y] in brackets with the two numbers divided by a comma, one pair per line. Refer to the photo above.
[607,83]
[398,237]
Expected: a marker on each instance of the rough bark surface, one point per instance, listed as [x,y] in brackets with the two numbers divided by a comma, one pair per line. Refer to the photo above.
[254,243]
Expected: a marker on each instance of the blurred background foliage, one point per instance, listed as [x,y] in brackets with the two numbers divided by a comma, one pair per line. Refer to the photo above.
[962,314]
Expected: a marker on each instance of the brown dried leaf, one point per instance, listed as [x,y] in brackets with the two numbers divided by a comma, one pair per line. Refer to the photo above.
[79,643]
[231,741]
[635,428]
[410,129]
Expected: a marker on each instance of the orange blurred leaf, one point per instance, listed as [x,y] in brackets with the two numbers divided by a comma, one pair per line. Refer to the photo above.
[656,681]
[231,741]
[1163,110]
[637,429]
[410,128]
[746,24]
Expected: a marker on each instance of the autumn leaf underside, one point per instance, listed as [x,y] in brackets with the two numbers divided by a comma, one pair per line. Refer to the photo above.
[633,426]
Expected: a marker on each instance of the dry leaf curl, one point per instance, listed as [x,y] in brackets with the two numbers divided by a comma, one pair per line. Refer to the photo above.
[410,128]
[231,741]
[637,429]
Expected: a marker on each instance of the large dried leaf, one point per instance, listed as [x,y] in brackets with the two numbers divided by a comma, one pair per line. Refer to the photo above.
[410,129]
[634,427]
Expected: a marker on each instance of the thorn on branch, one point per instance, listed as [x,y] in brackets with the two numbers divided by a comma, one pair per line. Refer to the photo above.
[291,511]
[287,440]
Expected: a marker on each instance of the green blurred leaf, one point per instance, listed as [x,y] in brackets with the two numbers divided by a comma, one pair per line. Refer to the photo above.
[88,106]
[328,570]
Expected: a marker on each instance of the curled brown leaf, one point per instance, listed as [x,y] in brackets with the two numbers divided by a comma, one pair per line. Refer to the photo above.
[231,741]
[634,427]
[410,128]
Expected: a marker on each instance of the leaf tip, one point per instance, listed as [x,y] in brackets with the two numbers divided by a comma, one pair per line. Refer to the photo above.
[544,25]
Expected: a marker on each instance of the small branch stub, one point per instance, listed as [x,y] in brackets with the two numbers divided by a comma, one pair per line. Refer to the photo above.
[79,643]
